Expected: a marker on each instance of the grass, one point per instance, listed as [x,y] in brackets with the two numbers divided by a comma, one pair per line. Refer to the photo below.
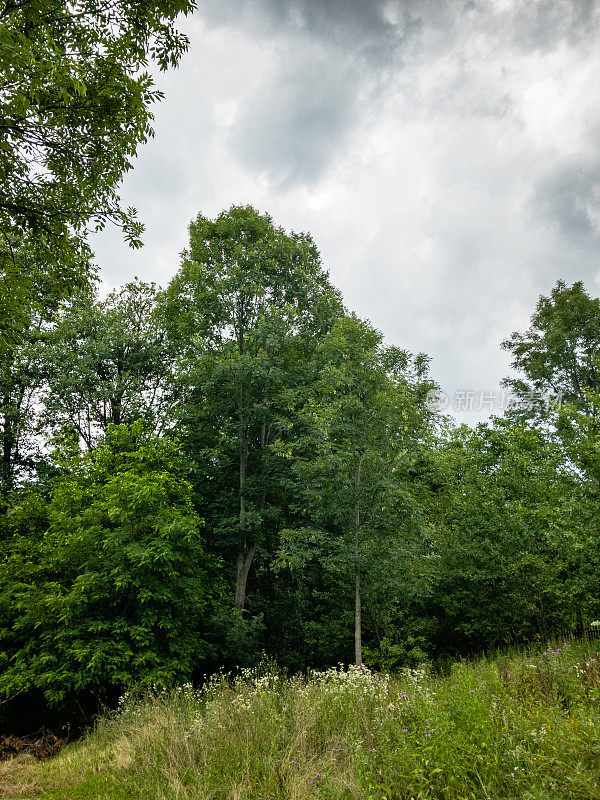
[517,726]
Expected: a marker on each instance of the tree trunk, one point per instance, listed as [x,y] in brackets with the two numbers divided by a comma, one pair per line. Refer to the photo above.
[8,445]
[357,607]
[6,466]
[244,562]
[357,618]
[245,554]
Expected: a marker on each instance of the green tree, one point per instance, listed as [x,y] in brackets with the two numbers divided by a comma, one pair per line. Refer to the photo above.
[501,564]
[107,583]
[246,307]
[560,351]
[361,425]
[22,368]
[21,381]
[107,362]
[32,281]
[75,98]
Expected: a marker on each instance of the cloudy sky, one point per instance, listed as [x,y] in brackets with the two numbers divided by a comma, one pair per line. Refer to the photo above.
[444,155]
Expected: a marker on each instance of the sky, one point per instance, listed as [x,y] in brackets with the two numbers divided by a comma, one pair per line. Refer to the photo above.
[444,155]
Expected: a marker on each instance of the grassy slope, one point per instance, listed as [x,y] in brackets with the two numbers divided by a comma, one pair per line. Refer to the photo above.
[512,727]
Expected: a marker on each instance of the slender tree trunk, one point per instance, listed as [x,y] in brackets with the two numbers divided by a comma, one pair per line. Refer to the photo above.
[6,465]
[357,618]
[245,554]
[357,607]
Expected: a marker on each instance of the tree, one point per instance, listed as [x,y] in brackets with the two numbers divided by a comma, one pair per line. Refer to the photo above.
[75,100]
[504,558]
[107,583]
[21,380]
[107,362]
[33,282]
[560,352]
[22,365]
[360,425]
[248,301]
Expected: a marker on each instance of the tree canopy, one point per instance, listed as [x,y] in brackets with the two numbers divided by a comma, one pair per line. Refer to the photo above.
[75,98]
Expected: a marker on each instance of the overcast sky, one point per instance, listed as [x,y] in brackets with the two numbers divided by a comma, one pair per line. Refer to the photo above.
[445,156]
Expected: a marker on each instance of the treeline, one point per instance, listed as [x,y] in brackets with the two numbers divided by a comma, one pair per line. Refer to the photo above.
[235,464]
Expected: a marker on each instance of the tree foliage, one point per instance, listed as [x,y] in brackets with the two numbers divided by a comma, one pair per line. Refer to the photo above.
[106,583]
[361,426]
[246,308]
[237,464]
[108,362]
[75,97]
[560,351]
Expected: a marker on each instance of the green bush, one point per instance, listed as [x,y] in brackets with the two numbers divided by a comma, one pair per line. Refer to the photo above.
[106,583]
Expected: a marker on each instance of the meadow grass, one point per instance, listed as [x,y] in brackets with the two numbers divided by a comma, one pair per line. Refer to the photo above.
[513,726]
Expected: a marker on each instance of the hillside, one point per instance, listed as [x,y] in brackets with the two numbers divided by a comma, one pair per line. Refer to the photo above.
[515,726]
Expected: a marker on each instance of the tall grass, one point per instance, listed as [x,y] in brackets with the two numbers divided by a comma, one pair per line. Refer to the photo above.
[510,727]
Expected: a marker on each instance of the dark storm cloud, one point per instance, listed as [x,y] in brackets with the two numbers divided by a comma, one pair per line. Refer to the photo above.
[333,60]
[336,61]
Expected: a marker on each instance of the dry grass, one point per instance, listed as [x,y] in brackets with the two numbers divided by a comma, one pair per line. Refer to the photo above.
[16,780]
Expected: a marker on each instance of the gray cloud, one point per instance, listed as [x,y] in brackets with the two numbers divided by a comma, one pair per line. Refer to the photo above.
[570,197]
[291,128]
[336,59]
[544,24]
[444,155]
[360,27]
[332,60]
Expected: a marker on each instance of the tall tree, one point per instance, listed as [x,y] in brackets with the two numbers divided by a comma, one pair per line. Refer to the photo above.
[359,428]
[560,352]
[75,98]
[248,298]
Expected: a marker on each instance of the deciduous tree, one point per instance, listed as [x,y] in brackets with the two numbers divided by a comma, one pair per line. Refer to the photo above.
[75,97]
[249,300]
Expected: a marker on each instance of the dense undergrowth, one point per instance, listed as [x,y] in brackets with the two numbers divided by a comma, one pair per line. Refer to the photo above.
[515,726]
